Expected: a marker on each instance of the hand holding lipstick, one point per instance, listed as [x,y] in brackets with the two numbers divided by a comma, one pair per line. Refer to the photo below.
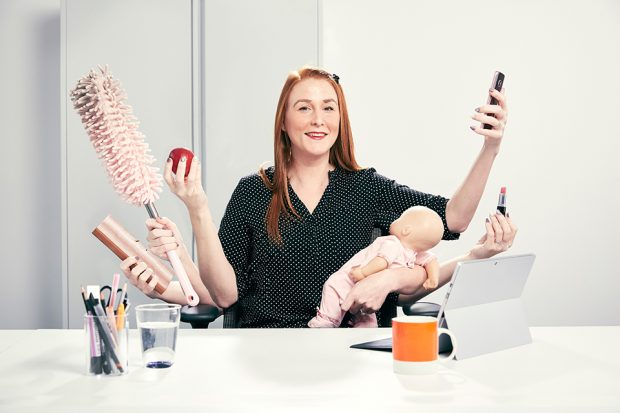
[499,236]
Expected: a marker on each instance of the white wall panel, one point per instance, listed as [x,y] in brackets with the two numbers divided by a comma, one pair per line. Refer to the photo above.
[148,47]
[414,72]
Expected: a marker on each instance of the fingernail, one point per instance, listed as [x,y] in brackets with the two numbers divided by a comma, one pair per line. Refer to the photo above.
[487,220]
[491,90]
[497,212]
[477,109]
[507,214]
[472,127]
[169,160]
[183,159]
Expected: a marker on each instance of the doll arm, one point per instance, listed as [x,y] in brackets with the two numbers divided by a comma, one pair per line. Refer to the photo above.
[375,265]
[432,274]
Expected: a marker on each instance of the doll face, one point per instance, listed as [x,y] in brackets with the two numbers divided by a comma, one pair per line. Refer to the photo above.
[312,119]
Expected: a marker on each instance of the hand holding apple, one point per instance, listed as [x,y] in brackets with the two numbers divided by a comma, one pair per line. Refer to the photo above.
[189,189]
[176,154]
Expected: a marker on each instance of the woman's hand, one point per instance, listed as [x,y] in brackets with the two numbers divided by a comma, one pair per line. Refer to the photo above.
[368,295]
[163,236]
[499,237]
[494,115]
[189,190]
[139,275]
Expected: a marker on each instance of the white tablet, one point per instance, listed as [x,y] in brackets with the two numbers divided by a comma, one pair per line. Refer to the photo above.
[483,304]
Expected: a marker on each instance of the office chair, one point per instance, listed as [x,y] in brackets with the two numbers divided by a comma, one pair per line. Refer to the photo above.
[200,316]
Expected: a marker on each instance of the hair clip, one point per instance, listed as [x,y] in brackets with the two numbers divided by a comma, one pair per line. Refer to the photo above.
[335,78]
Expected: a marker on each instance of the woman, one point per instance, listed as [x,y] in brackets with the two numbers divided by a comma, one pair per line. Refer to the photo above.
[287,228]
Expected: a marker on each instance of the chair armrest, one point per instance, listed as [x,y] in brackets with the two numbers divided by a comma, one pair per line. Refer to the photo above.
[422,308]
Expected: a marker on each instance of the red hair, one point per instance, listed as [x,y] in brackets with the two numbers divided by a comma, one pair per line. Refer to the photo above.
[341,154]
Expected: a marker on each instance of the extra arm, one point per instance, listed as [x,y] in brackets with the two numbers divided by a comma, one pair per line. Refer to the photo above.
[462,206]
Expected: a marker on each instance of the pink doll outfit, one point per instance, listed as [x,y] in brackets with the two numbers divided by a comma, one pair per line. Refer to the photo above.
[338,285]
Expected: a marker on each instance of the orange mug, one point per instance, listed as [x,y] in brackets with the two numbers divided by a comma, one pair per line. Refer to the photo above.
[415,344]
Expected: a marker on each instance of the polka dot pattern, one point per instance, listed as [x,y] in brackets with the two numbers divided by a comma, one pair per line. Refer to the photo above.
[280,286]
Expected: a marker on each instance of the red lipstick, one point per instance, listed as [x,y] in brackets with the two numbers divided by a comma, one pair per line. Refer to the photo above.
[501,203]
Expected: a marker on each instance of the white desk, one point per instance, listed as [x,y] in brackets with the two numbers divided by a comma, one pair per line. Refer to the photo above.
[566,369]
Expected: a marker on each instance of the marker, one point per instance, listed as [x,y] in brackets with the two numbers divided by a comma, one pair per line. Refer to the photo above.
[501,203]
[96,360]
[115,281]
[120,317]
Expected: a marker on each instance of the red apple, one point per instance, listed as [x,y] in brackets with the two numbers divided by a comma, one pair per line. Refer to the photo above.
[176,154]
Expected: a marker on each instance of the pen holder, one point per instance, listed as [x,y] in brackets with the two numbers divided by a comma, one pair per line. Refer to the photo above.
[106,342]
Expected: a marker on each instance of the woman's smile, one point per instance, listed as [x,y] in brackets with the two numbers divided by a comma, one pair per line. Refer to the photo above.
[316,135]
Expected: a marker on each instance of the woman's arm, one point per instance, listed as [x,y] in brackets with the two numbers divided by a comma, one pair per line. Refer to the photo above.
[463,204]
[215,271]
[164,236]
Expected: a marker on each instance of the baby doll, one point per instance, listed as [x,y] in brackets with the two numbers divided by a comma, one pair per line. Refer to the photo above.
[417,230]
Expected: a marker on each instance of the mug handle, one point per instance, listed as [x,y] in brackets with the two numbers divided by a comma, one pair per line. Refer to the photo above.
[452,355]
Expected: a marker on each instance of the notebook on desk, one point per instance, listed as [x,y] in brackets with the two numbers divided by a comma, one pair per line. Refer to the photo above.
[482,307]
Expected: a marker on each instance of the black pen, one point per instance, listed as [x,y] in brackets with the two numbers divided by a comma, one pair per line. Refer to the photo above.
[95,341]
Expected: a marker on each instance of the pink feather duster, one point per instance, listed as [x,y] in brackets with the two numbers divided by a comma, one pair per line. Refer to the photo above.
[113,131]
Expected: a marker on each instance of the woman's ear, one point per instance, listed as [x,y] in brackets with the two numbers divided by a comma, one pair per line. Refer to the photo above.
[407,229]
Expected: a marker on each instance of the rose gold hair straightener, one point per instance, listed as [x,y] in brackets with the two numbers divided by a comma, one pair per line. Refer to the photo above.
[123,244]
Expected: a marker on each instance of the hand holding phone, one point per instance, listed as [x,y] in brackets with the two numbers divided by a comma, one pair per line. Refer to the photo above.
[497,84]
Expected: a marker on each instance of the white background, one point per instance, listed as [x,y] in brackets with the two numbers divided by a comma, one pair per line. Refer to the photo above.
[413,72]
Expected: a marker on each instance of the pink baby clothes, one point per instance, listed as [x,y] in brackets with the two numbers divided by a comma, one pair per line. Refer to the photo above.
[338,285]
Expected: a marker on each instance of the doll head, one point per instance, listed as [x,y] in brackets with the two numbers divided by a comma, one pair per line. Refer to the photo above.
[418,228]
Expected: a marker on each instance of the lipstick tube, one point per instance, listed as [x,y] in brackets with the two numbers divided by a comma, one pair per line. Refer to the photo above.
[501,203]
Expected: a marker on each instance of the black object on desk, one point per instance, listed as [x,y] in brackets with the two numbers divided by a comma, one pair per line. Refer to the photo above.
[420,309]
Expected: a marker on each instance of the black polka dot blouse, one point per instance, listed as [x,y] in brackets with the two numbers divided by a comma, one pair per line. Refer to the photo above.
[280,286]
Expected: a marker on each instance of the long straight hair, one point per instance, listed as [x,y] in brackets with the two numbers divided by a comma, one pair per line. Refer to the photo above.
[341,154]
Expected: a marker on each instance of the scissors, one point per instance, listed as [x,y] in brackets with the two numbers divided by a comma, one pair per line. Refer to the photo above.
[107,289]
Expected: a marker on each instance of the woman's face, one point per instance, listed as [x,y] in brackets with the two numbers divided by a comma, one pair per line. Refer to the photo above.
[312,119]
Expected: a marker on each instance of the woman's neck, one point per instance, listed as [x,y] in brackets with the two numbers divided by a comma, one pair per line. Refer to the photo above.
[309,171]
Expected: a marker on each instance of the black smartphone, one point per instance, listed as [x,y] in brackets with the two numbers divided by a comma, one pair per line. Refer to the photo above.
[498,82]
